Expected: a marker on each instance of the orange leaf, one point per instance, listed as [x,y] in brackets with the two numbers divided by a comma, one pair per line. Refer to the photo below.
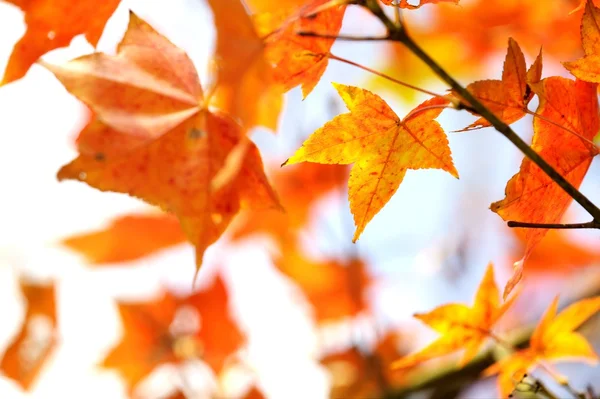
[291,185]
[588,67]
[245,85]
[262,6]
[557,254]
[531,196]
[553,339]
[461,326]
[356,373]
[158,142]
[254,393]
[507,98]
[128,238]
[406,4]
[33,345]
[172,330]
[52,24]
[335,289]
[381,146]
[300,60]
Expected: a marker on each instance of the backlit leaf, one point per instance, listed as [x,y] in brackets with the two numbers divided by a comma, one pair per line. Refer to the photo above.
[245,85]
[52,24]
[568,122]
[381,146]
[554,339]
[461,326]
[588,67]
[300,60]
[508,98]
[154,139]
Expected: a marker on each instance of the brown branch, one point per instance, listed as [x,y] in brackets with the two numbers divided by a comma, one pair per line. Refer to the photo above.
[398,34]
[586,225]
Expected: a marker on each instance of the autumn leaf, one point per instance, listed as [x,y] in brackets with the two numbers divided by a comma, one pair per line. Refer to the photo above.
[554,339]
[52,24]
[588,67]
[357,373]
[254,393]
[164,331]
[37,339]
[154,139]
[380,145]
[263,6]
[566,123]
[557,253]
[245,85]
[291,184]
[335,289]
[128,238]
[461,326]
[300,60]
[406,4]
[507,98]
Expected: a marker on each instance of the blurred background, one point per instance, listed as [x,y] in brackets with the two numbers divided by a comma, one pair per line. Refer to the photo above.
[95,288]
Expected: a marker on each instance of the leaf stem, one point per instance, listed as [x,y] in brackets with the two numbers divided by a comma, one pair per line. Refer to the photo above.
[563,226]
[383,75]
[397,33]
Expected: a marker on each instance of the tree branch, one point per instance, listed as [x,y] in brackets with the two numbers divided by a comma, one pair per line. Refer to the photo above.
[398,33]
[586,225]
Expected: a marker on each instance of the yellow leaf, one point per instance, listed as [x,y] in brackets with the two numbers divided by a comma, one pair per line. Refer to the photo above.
[381,146]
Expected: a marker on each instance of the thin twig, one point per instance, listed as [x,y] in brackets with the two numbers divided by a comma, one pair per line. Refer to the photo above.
[383,75]
[398,34]
[562,226]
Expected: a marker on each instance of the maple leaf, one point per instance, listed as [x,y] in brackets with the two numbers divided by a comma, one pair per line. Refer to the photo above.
[291,183]
[568,121]
[300,60]
[128,238]
[154,139]
[357,372]
[262,6]
[554,339]
[52,24]
[245,85]
[588,67]
[461,326]
[37,339]
[406,4]
[381,146]
[159,332]
[335,289]
[507,98]
[557,254]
